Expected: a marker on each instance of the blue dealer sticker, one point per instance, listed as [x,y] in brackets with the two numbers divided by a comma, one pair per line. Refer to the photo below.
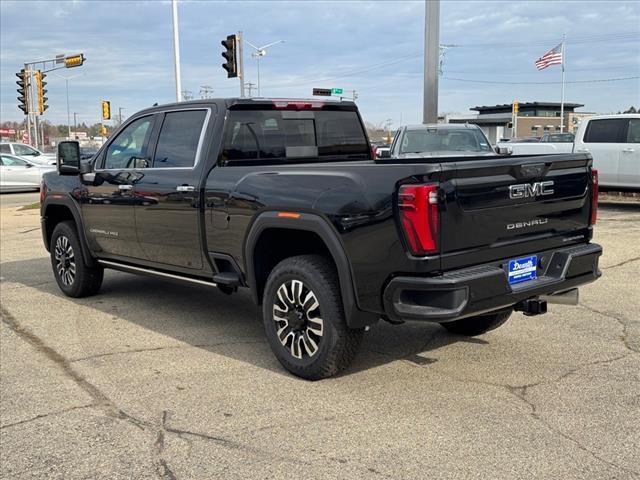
[522,269]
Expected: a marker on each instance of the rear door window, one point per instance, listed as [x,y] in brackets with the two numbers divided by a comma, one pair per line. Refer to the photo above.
[5,148]
[609,130]
[179,138]
[633,134]
[293,136]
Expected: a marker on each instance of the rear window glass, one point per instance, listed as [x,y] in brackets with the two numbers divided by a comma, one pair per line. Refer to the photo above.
[179,138]
[610,130]
[255,136]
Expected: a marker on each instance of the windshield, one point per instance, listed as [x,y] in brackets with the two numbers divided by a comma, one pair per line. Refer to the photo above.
[25,150]
[444,140]
[258,136]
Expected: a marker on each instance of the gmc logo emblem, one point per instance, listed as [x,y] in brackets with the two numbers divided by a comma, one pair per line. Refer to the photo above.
[535,189]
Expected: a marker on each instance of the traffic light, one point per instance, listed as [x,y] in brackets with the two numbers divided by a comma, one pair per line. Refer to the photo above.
[41,91]
[103,130]
[516,107]
[231,66]
[106,110]
[74,60]
[23,91]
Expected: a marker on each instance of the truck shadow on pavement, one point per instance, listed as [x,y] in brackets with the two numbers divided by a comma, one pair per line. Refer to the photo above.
[207,319]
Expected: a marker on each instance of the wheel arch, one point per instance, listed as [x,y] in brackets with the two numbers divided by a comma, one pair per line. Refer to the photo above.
[59,210]
[322,238]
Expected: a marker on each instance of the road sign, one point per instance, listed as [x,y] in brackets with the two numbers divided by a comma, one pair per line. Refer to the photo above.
[336,91]
[322,92]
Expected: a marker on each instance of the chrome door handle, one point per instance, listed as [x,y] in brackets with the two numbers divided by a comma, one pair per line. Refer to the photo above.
[583,150]
[125,187]
[628,150]
[185,188]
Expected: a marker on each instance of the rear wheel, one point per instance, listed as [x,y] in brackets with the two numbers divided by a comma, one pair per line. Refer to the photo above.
[304,319]
[472,326]
[74,277]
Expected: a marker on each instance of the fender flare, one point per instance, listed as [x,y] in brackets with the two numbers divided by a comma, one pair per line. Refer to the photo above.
[74,208]
[355,317]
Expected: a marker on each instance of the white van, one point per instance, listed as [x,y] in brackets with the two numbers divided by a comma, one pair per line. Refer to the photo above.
[614,143]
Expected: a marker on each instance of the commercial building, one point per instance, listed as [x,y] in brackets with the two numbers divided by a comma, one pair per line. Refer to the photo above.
[534,119]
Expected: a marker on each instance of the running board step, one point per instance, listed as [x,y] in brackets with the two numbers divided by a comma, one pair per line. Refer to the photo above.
[228,279]
[148,271]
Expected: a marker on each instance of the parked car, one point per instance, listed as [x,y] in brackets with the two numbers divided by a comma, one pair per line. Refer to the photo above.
[614,143]
[87,153]
[557,138]
[283,197]
[18,174]
[32,154]
[442,139]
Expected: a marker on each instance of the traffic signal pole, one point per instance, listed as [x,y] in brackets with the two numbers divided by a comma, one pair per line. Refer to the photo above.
[239,44]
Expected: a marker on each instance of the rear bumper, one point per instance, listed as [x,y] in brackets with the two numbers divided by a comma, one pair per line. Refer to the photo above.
[483,288]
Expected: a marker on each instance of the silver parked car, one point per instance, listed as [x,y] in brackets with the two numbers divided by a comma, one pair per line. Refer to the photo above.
[33,155]
[440,140]
[18,174]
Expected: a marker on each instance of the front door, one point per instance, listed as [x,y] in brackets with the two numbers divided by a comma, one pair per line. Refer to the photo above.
[108,203]
[167,211]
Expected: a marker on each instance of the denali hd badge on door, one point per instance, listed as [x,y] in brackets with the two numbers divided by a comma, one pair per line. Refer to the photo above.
[535,189]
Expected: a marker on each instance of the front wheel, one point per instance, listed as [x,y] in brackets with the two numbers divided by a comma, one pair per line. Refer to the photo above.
[472,326]
[74,277]
[304,319]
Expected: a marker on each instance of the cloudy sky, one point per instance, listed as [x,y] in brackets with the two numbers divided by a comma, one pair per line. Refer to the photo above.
[373,47]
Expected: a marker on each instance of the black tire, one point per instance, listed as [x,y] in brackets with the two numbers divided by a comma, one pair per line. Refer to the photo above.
[299,291]
[472,326]
[74,277]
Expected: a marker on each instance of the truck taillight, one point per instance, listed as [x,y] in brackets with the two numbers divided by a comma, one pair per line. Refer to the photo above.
[43,191]
[373,151]
[594,197]
[419,217]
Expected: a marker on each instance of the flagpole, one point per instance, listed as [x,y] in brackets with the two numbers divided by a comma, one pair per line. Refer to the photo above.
[562,95]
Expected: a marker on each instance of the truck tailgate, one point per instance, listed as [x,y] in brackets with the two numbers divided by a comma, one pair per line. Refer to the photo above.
[499,208]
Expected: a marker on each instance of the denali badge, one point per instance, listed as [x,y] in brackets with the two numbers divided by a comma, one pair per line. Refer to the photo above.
[535,189]
[527,223]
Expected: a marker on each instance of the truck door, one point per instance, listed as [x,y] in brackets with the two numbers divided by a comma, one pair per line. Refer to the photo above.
[629,173]
[167,208]
[604,139]
[108,204]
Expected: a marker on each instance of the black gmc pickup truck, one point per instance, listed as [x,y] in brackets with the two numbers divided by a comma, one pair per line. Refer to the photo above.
[283,197]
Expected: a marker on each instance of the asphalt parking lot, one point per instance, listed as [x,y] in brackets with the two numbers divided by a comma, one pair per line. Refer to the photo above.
[157,380]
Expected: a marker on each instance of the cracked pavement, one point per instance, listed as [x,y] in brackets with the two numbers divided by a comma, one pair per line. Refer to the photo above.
[159,380]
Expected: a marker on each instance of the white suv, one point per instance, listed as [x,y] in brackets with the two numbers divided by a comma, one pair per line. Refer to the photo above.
[32,154]
[614,143]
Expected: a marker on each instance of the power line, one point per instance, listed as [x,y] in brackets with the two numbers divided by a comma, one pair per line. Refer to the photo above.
[598,80]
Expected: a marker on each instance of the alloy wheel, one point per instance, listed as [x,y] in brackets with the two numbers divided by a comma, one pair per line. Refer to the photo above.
[296,312]
[65,260]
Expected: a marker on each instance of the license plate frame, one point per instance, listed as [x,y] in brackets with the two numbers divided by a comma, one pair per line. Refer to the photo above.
[523,269]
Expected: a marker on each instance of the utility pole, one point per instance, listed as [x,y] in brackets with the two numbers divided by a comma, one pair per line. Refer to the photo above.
[75,125]
[251,87]
[206,91]
[431,61]
[120,115]
[187,95]
[176,49]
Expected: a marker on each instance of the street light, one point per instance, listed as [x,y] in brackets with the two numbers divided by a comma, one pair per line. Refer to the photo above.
[66,81]
[261,52]
[75,125]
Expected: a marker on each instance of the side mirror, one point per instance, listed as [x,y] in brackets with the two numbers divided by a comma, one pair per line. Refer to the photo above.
[69,158]
[504,150]
[28,165]
[386,153]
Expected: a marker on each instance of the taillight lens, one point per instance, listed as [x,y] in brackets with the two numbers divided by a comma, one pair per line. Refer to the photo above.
[594,197]
[418,206]
[373,151]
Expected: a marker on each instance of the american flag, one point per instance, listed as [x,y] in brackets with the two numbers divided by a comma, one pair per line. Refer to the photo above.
[552,57]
